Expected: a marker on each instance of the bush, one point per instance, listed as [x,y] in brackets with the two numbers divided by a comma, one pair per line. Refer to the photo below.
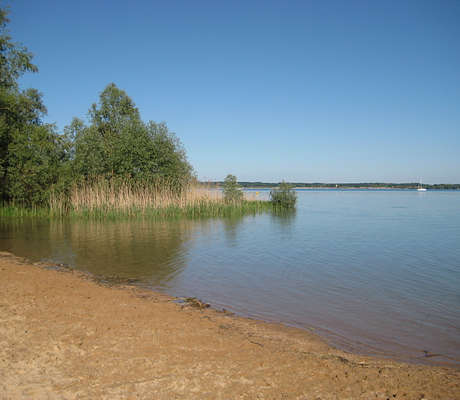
[283,196]
[232,191]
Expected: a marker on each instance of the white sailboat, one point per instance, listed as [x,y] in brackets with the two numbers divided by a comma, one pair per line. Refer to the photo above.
[420,187]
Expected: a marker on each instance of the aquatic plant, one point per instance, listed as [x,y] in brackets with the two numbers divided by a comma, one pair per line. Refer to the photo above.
[14,210]
[231,190]
[283,196]
[156,199]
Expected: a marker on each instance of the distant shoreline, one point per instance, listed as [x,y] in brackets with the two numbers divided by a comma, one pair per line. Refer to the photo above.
[362,185]
[353,188]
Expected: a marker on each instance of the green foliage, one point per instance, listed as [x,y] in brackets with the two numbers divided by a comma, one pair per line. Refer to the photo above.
[36,161]
[118,144]
[15,60]
[203,209]
[232,191]
[15,211]
[168,152]
[36,153]
[283,196]
[31,152]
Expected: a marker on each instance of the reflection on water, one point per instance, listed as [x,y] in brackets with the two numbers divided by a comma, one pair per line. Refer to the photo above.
[284,218]
[230,226]
[373,271]
[149,251]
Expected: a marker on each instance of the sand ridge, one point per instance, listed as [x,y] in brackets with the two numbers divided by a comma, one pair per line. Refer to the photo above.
[63,336]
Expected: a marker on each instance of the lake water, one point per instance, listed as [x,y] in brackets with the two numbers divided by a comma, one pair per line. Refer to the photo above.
[372,271]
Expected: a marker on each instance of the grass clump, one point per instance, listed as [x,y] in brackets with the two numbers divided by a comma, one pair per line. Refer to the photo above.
[283,197]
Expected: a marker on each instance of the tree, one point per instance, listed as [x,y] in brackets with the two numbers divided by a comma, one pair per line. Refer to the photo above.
[30,151]
[283,196]
[168,153]
[36,155]
[232,191]
[35,159]
[15,60]
[118,144]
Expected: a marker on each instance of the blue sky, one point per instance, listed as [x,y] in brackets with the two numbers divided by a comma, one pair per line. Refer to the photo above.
[324,91]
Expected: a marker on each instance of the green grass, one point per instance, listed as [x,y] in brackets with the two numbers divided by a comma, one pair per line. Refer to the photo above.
[200,209]
[203,209]
[10,210]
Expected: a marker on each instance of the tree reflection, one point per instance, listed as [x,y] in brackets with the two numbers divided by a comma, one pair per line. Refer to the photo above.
[231,225]
[283,218]
[153,252]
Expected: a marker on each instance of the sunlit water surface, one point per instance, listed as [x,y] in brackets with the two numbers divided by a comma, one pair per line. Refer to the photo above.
[376,272]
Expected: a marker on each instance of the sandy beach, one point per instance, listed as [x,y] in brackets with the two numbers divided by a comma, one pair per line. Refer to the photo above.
[64,336]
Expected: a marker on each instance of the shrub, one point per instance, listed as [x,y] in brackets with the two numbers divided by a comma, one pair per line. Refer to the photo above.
[232,191]
[283,196]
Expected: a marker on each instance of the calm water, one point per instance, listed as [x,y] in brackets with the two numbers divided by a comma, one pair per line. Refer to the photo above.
[376,272]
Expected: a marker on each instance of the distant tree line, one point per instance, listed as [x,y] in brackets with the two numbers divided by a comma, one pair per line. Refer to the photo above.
[36,159]
[363,185]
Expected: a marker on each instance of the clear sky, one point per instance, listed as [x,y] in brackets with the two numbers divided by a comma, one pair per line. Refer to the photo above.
[319,91]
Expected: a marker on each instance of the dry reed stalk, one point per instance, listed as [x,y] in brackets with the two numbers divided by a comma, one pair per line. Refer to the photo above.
[125,198]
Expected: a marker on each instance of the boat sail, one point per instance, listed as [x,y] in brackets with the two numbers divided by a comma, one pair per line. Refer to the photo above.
[420,187]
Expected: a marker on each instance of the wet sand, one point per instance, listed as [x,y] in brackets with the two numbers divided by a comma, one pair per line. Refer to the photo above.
[64,336]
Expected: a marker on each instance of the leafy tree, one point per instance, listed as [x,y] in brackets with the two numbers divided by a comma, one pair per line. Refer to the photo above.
[283,196]
[232,191]
[118,144]
[35,159]
[36,156]
[30,151]
[168,153]
[15,60]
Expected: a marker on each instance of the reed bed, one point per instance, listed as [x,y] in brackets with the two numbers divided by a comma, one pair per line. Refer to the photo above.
[14,210]
[104,199]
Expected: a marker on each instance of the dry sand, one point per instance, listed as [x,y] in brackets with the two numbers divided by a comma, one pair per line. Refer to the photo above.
[63,336]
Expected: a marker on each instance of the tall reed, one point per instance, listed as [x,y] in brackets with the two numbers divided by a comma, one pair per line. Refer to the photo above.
[105,198]
[15,210]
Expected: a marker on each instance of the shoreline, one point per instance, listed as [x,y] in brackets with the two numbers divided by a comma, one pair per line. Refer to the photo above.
[65,336]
